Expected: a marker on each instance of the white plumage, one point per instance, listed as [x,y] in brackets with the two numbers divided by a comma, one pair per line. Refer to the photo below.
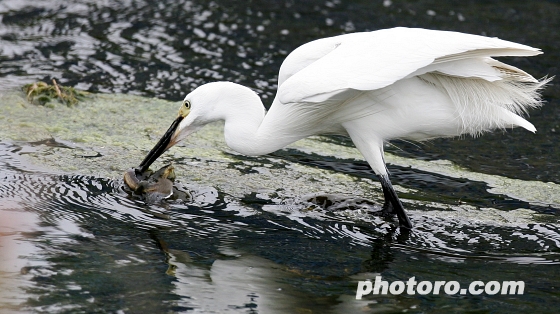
[413,84]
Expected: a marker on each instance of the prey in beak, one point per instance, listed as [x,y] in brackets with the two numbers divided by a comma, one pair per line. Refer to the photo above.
[168,139]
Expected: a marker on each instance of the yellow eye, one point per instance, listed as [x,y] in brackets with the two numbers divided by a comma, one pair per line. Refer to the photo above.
[185,108]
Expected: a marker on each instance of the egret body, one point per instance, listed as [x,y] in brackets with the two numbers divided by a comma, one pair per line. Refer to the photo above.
[398,83]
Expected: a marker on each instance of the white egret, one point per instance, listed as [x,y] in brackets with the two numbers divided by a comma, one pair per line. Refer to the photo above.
[398,83]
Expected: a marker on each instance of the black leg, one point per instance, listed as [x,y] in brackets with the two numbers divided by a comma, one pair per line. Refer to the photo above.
[387,206]
[393,204]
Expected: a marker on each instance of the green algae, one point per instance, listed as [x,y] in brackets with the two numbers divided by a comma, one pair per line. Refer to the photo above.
[111,133]
[534,192]
[108,134]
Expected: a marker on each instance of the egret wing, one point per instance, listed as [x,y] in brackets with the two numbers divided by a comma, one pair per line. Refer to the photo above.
[373,60]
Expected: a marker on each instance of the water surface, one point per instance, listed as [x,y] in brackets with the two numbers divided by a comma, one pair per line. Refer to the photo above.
[289,232]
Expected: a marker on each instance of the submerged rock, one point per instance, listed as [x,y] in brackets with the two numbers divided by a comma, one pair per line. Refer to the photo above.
[153,186]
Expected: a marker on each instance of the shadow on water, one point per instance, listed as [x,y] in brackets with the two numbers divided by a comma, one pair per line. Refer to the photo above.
[94,246]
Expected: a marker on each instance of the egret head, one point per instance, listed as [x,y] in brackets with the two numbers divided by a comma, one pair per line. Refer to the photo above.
[208,103]
[203,105]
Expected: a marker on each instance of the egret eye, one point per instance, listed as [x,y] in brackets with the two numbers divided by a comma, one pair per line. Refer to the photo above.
[185,108]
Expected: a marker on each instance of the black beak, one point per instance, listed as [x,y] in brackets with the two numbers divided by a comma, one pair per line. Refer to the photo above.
[160,147]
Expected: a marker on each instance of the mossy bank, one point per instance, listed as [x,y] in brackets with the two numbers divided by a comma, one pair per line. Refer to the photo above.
[106,134]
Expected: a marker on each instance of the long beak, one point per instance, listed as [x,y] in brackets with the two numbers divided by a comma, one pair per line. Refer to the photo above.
[161,146]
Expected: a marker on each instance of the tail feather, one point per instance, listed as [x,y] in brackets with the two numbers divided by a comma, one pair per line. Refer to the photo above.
[514,120]
[483,105]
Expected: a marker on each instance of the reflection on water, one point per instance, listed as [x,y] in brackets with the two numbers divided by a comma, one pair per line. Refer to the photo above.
[78,243]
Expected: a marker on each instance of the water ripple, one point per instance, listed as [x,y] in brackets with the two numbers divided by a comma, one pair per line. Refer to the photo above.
[202,212]
[134,47]
[90,224]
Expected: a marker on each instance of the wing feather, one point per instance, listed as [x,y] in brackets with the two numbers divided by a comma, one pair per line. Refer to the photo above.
[373,60]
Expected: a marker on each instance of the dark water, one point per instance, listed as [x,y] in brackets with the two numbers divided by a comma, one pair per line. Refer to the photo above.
[97,248]
[169,48]
[93,248]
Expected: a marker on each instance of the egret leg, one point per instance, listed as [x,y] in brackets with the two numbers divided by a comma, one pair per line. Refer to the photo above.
[387,206]
[393,204]
[372,148]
